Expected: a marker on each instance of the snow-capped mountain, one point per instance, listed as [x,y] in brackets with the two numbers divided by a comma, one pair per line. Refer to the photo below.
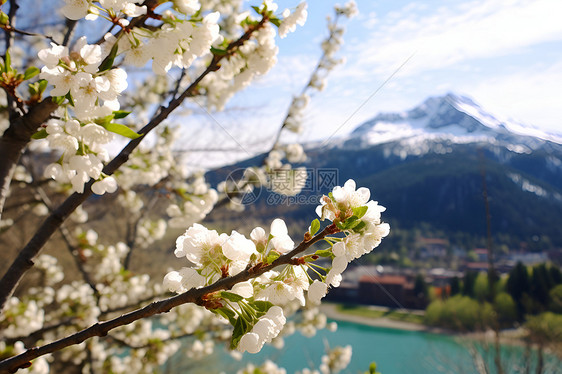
[426,166]
[448,119]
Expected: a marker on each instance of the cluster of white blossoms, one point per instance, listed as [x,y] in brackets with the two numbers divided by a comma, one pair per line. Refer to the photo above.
[268,367]
[20,318]
[254,307]
[360,220]
[293,122]
[196,200]
[290,20]
[254,58]
[149,164]
[77,76]
[78,73]
[263,331]
[82,156]
[279,177]
[334,361]
[178,43]
[77,9]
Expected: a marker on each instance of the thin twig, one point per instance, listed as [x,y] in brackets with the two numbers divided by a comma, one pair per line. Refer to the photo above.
[70,26]
[132,230]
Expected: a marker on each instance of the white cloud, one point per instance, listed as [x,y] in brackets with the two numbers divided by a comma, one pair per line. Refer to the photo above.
[531,96]
[449,35]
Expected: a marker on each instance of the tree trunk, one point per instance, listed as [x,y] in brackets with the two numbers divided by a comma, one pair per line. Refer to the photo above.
[16,138]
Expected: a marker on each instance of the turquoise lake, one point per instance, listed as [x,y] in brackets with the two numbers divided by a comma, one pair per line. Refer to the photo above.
[395,352]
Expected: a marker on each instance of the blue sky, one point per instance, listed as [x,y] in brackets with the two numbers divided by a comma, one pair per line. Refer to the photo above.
[505,54]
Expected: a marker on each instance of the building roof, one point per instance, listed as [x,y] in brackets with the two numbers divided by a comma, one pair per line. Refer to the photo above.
[384,279]
[434,241]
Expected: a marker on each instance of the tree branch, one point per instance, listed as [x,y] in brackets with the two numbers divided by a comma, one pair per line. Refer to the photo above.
[70,26]
[319,65]
[11,20]
[24,261]
[14,140]
[194,295]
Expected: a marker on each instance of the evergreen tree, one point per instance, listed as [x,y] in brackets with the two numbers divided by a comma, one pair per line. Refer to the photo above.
[555,275]
[468,283]
[455,286]
[540,285]
[420,289]
[517,285]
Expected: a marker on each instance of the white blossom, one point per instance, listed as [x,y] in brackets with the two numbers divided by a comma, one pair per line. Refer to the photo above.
[317,291]
[281,240]
[289,23]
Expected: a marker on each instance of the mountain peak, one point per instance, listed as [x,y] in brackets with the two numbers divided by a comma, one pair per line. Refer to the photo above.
[452,117]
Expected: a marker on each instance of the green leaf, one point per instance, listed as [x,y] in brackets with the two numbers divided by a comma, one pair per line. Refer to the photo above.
[272,256]
[240,328]
[68,96]
[323,252]
[331,196]
[43,85]
[359,227]
[122,130]
[119,114]
[231,296]
[104,121]
[226,313]
[107,63]
[4,19]
[41,134]
[218,51]
[360,211]
[314,227]
[352,222]
[58,99]
[276,21]
[30,72]
[261,305]
[7,62]
[257,9]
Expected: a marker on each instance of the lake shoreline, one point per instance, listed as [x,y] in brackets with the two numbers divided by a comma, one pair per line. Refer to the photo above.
[509,337]
[331,311]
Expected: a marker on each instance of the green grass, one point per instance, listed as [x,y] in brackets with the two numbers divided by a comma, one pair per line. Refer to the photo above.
[395,315]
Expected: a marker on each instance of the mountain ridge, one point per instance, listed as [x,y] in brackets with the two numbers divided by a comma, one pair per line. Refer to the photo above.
[428,165]
[453,117]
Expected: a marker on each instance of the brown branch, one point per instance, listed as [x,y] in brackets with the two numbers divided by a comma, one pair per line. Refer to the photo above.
[70,26]
[78,262]
[127,307]
[11,20]
[194,295]
[14,140]
[24,261]
[132,230]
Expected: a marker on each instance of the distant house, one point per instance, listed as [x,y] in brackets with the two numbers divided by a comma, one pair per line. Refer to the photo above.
[432,247]
[347,292]
[481,254]
[394,291]
[529,258]
[476,266]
